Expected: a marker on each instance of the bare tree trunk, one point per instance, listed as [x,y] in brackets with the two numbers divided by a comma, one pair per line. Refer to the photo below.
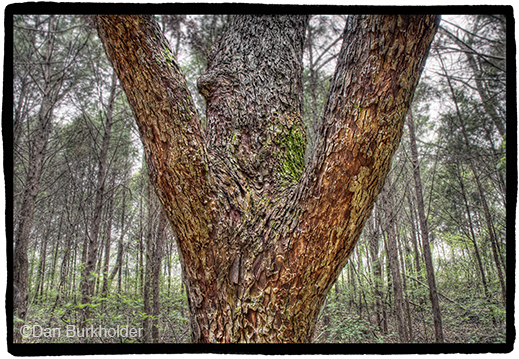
[392,252]
[404,265]
[262,237]
[433,295]
[87,282]
[377,270]
[472,235]
[108,245]
[38,292]
[414,237]
[148,269]
[157,259]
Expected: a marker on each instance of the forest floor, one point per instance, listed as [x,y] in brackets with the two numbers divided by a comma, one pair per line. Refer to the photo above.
[465,329]
[343,326]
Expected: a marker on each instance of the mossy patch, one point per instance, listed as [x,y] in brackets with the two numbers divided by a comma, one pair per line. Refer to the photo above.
[168,57]
[292,160]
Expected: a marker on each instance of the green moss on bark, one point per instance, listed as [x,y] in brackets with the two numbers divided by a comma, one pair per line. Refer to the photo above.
[292,161]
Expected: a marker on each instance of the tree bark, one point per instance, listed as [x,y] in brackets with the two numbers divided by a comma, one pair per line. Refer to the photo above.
[148,268]
[262,238]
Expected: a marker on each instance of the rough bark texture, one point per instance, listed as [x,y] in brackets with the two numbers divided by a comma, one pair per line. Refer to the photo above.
[262,237]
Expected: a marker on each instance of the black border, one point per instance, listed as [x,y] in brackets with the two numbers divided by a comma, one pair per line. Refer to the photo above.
[241,8]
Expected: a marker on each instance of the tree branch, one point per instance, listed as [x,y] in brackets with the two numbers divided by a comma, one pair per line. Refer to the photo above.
[166,116]
[361,129]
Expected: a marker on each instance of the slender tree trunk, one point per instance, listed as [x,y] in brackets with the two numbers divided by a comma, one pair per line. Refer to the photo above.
[377,271]
[87,282]
[108,245]
[414,237]
[43,255]
[262,237]
[157,258]
[433,295]
[147,290]
[472,235]
[392,252]
[54,252]
[404,265]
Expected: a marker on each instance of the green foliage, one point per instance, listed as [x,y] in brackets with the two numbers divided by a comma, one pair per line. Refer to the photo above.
[114,310]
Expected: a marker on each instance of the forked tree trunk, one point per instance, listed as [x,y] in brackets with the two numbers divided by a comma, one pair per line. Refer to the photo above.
[262,238]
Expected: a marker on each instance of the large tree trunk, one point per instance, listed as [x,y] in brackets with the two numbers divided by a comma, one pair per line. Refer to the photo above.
[262,238]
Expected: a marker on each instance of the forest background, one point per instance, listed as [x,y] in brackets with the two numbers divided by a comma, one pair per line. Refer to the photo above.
[447,187]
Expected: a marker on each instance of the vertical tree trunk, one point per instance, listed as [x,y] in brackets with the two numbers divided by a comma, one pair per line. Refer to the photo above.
[87,275]
[38,292]
[157,258]
[414,237]
[433,295]
[56,250]
[404,266]
[394,265]
[377,270]
[108,245]
[472,235]
[147,289]
[261,236]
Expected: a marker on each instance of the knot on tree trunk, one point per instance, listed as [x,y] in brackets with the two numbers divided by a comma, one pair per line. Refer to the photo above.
[209,82]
